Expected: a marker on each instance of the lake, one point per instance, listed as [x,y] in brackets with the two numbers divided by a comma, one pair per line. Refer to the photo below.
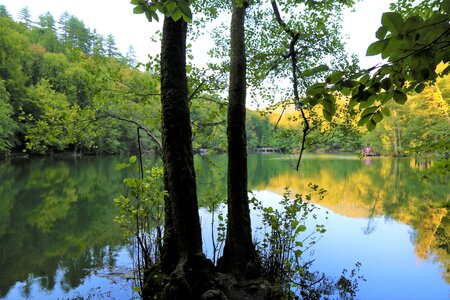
[58,240]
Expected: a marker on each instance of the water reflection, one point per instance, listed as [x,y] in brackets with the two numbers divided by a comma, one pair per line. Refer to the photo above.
[373,191]
[56,218]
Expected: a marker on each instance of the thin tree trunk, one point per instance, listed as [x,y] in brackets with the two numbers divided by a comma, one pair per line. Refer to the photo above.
[239,255]
[176,141]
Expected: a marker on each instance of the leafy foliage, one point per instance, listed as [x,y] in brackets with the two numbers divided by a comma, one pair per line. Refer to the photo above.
[286,238]
[142,213]
[58,90]
[169,8]
[7,124]
[413,46]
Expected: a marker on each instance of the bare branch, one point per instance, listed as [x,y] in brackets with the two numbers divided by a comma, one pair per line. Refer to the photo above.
[293,55]
[140,126]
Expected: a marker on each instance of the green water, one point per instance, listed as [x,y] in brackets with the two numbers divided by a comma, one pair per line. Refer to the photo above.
[57,238]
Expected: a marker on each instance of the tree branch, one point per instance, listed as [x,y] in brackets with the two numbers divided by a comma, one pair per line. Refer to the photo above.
[293,55]
[140,126]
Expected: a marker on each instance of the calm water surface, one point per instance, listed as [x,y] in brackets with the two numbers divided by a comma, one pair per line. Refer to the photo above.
[57,238]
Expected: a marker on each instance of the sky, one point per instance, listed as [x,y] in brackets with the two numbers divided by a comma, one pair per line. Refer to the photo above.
[116,17]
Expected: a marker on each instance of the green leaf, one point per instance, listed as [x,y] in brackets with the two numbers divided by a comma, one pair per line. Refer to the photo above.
[133,159]
[364,120]
[300,228]
[377,117]
[315,89]
[400,97]
[318,69]
[386,83]
[381,32]
[135,2]
[329,106]
[327,115]
[138,10]
[369,111]
[176,15]
[371,125]
[385,97]
[185,10]
[386,111]
[352,103]
[419,88]
[412,23]
[393,21]
[121,166]
[349,83]
[334,77]
[363,80]
[368,102]
[377,47]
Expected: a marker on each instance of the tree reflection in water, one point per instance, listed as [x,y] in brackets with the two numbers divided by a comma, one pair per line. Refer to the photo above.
[56,216]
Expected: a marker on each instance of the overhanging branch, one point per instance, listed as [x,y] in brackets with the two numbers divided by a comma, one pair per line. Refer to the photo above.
[139,126]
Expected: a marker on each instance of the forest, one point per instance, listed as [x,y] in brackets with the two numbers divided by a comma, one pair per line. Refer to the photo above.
[66,89]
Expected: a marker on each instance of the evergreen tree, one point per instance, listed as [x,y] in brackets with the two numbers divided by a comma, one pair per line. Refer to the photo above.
[63,27]
[130,57]
[46,21]
[78,35]
[98,44]
[4,12]
[25,16]
[111,48]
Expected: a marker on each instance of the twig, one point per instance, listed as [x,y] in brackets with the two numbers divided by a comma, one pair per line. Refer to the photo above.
[140,126]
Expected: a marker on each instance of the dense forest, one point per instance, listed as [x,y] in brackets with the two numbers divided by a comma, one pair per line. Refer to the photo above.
[66,88]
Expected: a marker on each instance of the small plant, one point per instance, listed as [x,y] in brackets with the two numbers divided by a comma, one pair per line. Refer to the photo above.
[142,213]
[216,204]
[285,238]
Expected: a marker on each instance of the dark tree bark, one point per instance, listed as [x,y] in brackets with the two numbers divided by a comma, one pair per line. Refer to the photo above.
[176,140]
[184,272]
[169,251]
[239,255]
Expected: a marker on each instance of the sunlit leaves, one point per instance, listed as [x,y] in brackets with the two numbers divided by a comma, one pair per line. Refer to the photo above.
[176,9]
[413,47]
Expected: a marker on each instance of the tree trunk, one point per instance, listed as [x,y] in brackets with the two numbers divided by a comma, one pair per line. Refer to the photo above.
[176,139]
[169,251]
[239,255]
[181,257]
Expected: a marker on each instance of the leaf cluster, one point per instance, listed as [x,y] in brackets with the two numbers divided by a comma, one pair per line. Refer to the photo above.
[175,9]
[413,48]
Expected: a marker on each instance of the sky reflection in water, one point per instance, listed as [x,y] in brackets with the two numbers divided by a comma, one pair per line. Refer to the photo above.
[55,223]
